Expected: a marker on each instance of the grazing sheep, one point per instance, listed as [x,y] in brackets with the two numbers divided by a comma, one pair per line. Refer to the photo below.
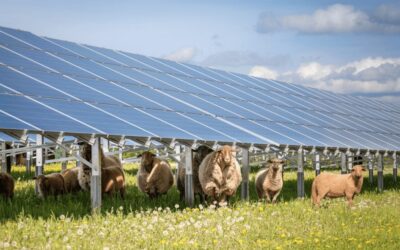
[6,186]
[336,185]
[198,155]
[219,174]
[113,180]
[269,181]
[155,176]
[51,184]
[84,173]
[71,180]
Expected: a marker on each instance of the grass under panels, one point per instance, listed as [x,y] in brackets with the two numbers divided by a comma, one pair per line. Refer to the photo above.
[138,223]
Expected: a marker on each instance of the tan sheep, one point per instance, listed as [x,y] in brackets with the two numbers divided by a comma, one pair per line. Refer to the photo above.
[71,180]
[51,184]
[336,185]
[269,181]
[113,180]
[219,174]
[198,155]
[155,176]
[6,186]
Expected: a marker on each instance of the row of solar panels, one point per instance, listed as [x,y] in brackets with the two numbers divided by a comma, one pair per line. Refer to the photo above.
[53,85]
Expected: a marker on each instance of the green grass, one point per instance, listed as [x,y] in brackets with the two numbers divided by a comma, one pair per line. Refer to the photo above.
[165,223]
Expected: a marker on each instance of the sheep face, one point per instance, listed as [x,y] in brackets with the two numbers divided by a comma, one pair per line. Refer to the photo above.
[357,171]
[227,154]
[43,185]
[86,152]
[147,160]
[84,176]
[202,152]
[276,164]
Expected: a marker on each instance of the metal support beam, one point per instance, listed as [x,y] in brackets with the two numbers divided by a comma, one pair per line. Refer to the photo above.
[64,163]
[14,156]
[380,172]
[189,193]
[343,163]
[395,166]
[245,174]
[370,170]
[3,158]
[78,153]
[300,173]
[95,181]
[349,162]
[105,145]
[39,157]
[317,164]
[28,162]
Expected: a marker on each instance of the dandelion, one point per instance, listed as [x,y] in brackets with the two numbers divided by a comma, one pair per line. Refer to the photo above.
[201,207]
[165,233]
[79,232]
[14,244]
[62,217]
[121,208]
[6,244]
[176,206]
[65,239]
[68,247]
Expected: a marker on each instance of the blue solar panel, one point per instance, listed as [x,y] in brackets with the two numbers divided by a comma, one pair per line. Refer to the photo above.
[86,89]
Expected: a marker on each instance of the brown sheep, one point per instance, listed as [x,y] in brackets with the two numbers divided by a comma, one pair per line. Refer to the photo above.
[155,176]
[113,180]
[51,184]
[6,186]
[269,181]
[71,180]
[336,185]
[84,173]
[198,155]
[219,174]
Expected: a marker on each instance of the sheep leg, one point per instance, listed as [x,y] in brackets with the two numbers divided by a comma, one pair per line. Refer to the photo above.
[349,197]
[275,196]
[267,197]
[122,192]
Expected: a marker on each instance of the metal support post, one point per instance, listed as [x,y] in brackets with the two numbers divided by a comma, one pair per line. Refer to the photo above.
[245,174]
[349,162]
[28,161]
[64,163]
[380,172]
[39,157]
[370,170]
[95,181]
[3,158]
[189,193]
[105,145]
[343,163]
[317,164]
[300,173]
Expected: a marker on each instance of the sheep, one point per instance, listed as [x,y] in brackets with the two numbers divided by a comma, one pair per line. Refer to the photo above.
[113,180]
[84,173]
[155,176]
[219,174]
[6,186]
[269,181]
[336,185]
[71,180]
[51,184]
[198,155]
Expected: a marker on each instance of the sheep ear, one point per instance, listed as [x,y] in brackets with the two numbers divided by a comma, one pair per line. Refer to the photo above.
[363,169]
[139,155]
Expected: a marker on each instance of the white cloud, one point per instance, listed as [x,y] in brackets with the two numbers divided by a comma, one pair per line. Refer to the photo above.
[337,18]
[182,55]
[263,72]
[314,71]
[367,76]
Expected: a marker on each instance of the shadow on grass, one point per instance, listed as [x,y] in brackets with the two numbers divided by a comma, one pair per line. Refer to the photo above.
[25,202]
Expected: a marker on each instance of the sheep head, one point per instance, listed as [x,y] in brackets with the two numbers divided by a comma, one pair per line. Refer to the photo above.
[357,171]
[43,184]
[147,160]
[85,151]
[226,153]
[201,152]
[275,164]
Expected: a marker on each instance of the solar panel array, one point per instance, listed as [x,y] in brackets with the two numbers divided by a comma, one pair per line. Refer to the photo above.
[53,85]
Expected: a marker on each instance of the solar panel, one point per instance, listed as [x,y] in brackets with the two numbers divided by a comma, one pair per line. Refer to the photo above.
[52,85]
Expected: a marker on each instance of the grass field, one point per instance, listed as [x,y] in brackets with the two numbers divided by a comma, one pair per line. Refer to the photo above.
[139,223]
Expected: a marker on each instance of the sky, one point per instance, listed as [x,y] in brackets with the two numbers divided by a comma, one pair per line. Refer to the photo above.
[350,47]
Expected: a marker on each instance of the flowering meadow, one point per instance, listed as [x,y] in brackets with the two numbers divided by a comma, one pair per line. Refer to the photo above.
[166,223]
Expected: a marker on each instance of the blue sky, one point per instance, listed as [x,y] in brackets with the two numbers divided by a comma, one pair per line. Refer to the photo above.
[347,47]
